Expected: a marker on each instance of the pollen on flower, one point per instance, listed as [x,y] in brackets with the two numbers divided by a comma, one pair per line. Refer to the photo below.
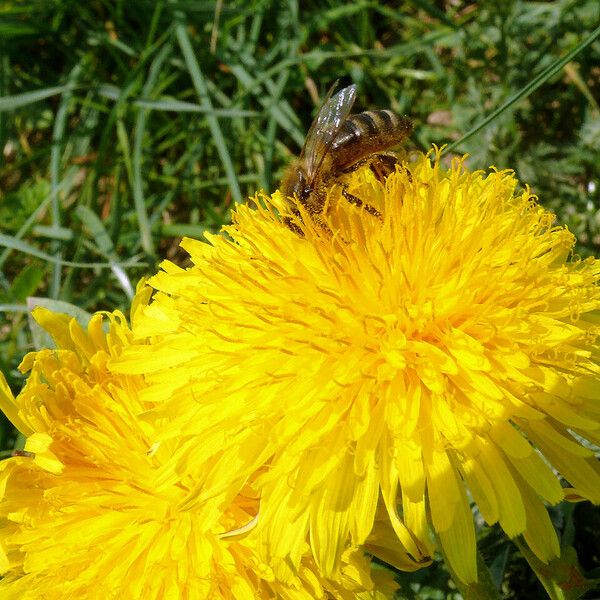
[389,364]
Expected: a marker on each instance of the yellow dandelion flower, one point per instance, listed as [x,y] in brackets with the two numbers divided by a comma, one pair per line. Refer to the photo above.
[448,348]
[94,506]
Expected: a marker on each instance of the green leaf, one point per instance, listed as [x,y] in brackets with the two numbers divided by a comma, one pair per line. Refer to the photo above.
[26,282]
[562,577]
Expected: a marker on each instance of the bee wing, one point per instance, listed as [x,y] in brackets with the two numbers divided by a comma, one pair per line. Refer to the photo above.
[325,127]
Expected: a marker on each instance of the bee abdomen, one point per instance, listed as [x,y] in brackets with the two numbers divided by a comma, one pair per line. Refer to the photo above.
[369,132]
[372,123]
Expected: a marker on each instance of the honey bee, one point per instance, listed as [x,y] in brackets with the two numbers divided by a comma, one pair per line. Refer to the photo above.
[338,143]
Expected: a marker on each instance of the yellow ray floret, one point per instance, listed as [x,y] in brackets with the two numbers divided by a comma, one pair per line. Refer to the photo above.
[396,361]
[98,505]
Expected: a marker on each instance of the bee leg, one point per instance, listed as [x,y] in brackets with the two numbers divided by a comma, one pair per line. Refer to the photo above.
[384,165]
[292,222]
[381,164]
[289,222]
[359,203]
[355,166]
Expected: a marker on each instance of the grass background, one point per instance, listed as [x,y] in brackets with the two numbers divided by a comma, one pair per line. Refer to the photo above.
[125,125]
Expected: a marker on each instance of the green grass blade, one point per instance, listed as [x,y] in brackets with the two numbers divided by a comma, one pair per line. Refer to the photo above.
[25,283]
[8,241]
[63,234]
[19,100]
[58,134]
[30,221]
[267,177]
[14,308]
[213,123]
[179,106]
[94,225]
[105,246]
[407,49]
[183,230]
[137,157]
[112,92]
[533,85]
[434,11]
[276,111]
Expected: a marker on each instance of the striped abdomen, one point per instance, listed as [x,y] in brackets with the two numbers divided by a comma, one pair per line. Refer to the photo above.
[368,133]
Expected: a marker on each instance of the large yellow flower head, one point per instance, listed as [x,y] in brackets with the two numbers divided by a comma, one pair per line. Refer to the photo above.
[448,346]
[94,506]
